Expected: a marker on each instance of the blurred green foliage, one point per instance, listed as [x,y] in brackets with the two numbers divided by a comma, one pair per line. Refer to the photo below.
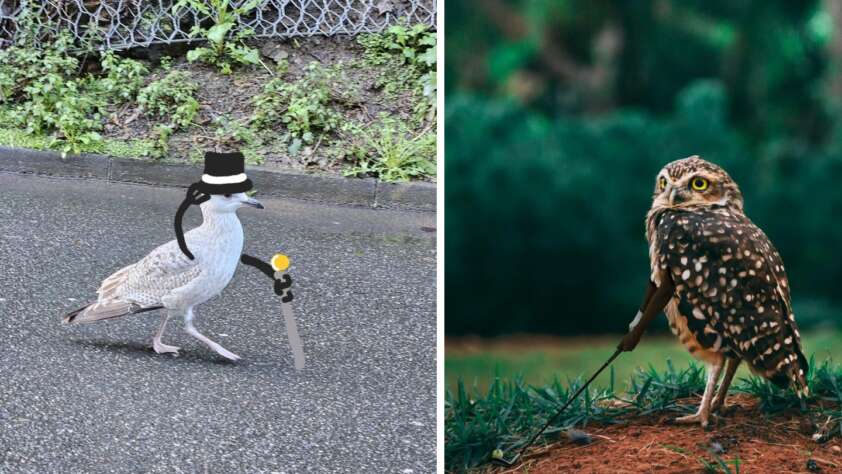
[559,114]
[539,360]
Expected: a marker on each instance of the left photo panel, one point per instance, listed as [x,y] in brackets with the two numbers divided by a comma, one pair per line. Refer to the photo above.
[219,241]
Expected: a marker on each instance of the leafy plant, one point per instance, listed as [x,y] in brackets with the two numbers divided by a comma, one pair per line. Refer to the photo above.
[303,107]
[229,132]
[161,139]
[406,55]
[414,46]
[170,97]
[224,47]
[42,91]
[39,91]
[389,151]
[123,77]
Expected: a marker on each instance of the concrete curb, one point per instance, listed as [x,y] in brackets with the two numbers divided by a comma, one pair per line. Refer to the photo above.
[285,184]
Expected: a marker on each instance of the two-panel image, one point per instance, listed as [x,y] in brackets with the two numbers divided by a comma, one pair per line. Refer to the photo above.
[418,236]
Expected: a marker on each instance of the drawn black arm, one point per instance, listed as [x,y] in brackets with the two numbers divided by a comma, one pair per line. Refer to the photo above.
[282,284]
[194,196]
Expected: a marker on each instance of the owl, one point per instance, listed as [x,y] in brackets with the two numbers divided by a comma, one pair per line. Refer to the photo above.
[722,282]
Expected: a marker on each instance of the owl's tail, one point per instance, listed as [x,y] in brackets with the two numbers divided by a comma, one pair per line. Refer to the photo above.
[793,373]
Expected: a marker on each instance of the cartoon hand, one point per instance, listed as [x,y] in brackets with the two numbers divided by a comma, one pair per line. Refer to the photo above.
[194,196]
[283,281]
[281,285]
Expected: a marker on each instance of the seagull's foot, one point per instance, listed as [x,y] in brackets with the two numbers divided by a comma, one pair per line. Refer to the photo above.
[161,348]
[213,345]
[226,353]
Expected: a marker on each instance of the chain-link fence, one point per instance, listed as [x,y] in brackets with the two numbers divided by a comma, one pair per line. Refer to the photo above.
[121,24]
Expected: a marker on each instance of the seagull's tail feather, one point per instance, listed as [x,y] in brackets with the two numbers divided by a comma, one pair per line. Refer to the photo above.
[105,310]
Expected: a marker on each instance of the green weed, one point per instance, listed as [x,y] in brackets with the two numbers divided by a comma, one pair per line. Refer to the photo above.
[825,383]
[305,107]
[42,91]
[388,150]
[123,77]
[224,48]
[39,92]
[232,133]
[406,57]
[170,97]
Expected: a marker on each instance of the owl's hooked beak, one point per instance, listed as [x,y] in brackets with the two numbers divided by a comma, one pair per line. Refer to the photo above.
[678,196]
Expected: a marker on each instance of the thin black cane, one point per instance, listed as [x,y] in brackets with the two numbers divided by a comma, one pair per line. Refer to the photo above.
[512,461]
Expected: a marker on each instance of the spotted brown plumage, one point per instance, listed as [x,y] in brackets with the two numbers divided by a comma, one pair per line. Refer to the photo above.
[731,299]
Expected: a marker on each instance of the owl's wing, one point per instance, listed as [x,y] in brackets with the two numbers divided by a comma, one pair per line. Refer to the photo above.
[778,273]
[728,278]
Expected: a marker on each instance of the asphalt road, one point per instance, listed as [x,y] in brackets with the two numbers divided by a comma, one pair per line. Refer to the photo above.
[95,398]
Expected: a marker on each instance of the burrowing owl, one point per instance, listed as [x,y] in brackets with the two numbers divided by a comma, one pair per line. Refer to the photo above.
[724,285]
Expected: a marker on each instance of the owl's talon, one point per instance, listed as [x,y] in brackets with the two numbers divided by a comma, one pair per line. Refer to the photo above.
[722,409]
[703,420]
[688,419]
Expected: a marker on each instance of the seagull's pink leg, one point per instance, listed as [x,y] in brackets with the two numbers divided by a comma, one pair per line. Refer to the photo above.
[157,345]
[188,324]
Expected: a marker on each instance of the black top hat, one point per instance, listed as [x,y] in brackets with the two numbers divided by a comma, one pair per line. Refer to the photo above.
[224,174]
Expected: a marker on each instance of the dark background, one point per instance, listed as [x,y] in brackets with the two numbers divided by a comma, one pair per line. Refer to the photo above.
[559,114]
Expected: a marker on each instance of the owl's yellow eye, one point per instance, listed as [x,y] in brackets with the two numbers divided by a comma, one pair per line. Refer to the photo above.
[662,183]
[699,184]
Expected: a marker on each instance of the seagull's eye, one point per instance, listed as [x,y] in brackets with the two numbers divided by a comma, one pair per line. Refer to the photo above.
[662,183]
[228,195]
[699,184]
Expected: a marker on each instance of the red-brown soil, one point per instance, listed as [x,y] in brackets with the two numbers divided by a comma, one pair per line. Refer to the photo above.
[763,444]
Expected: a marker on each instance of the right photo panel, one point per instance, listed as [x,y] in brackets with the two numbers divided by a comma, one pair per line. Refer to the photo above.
[643,240]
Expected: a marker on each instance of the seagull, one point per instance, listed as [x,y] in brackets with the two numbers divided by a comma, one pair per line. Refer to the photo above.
[168,279]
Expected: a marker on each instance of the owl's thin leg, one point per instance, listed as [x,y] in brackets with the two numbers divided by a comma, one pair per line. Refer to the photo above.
[730,370]
[157,345]
[702,416]
[188,324]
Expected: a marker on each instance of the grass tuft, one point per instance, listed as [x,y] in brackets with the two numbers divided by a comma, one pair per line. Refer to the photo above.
[506,415]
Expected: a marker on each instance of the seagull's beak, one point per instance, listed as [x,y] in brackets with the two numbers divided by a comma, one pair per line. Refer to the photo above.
[253,203]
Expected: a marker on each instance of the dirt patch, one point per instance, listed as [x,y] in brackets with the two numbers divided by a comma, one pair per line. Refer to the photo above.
[231,96]
[762,443]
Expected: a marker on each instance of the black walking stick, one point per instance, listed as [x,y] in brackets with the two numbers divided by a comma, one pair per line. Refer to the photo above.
[654,300]
[512,461]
